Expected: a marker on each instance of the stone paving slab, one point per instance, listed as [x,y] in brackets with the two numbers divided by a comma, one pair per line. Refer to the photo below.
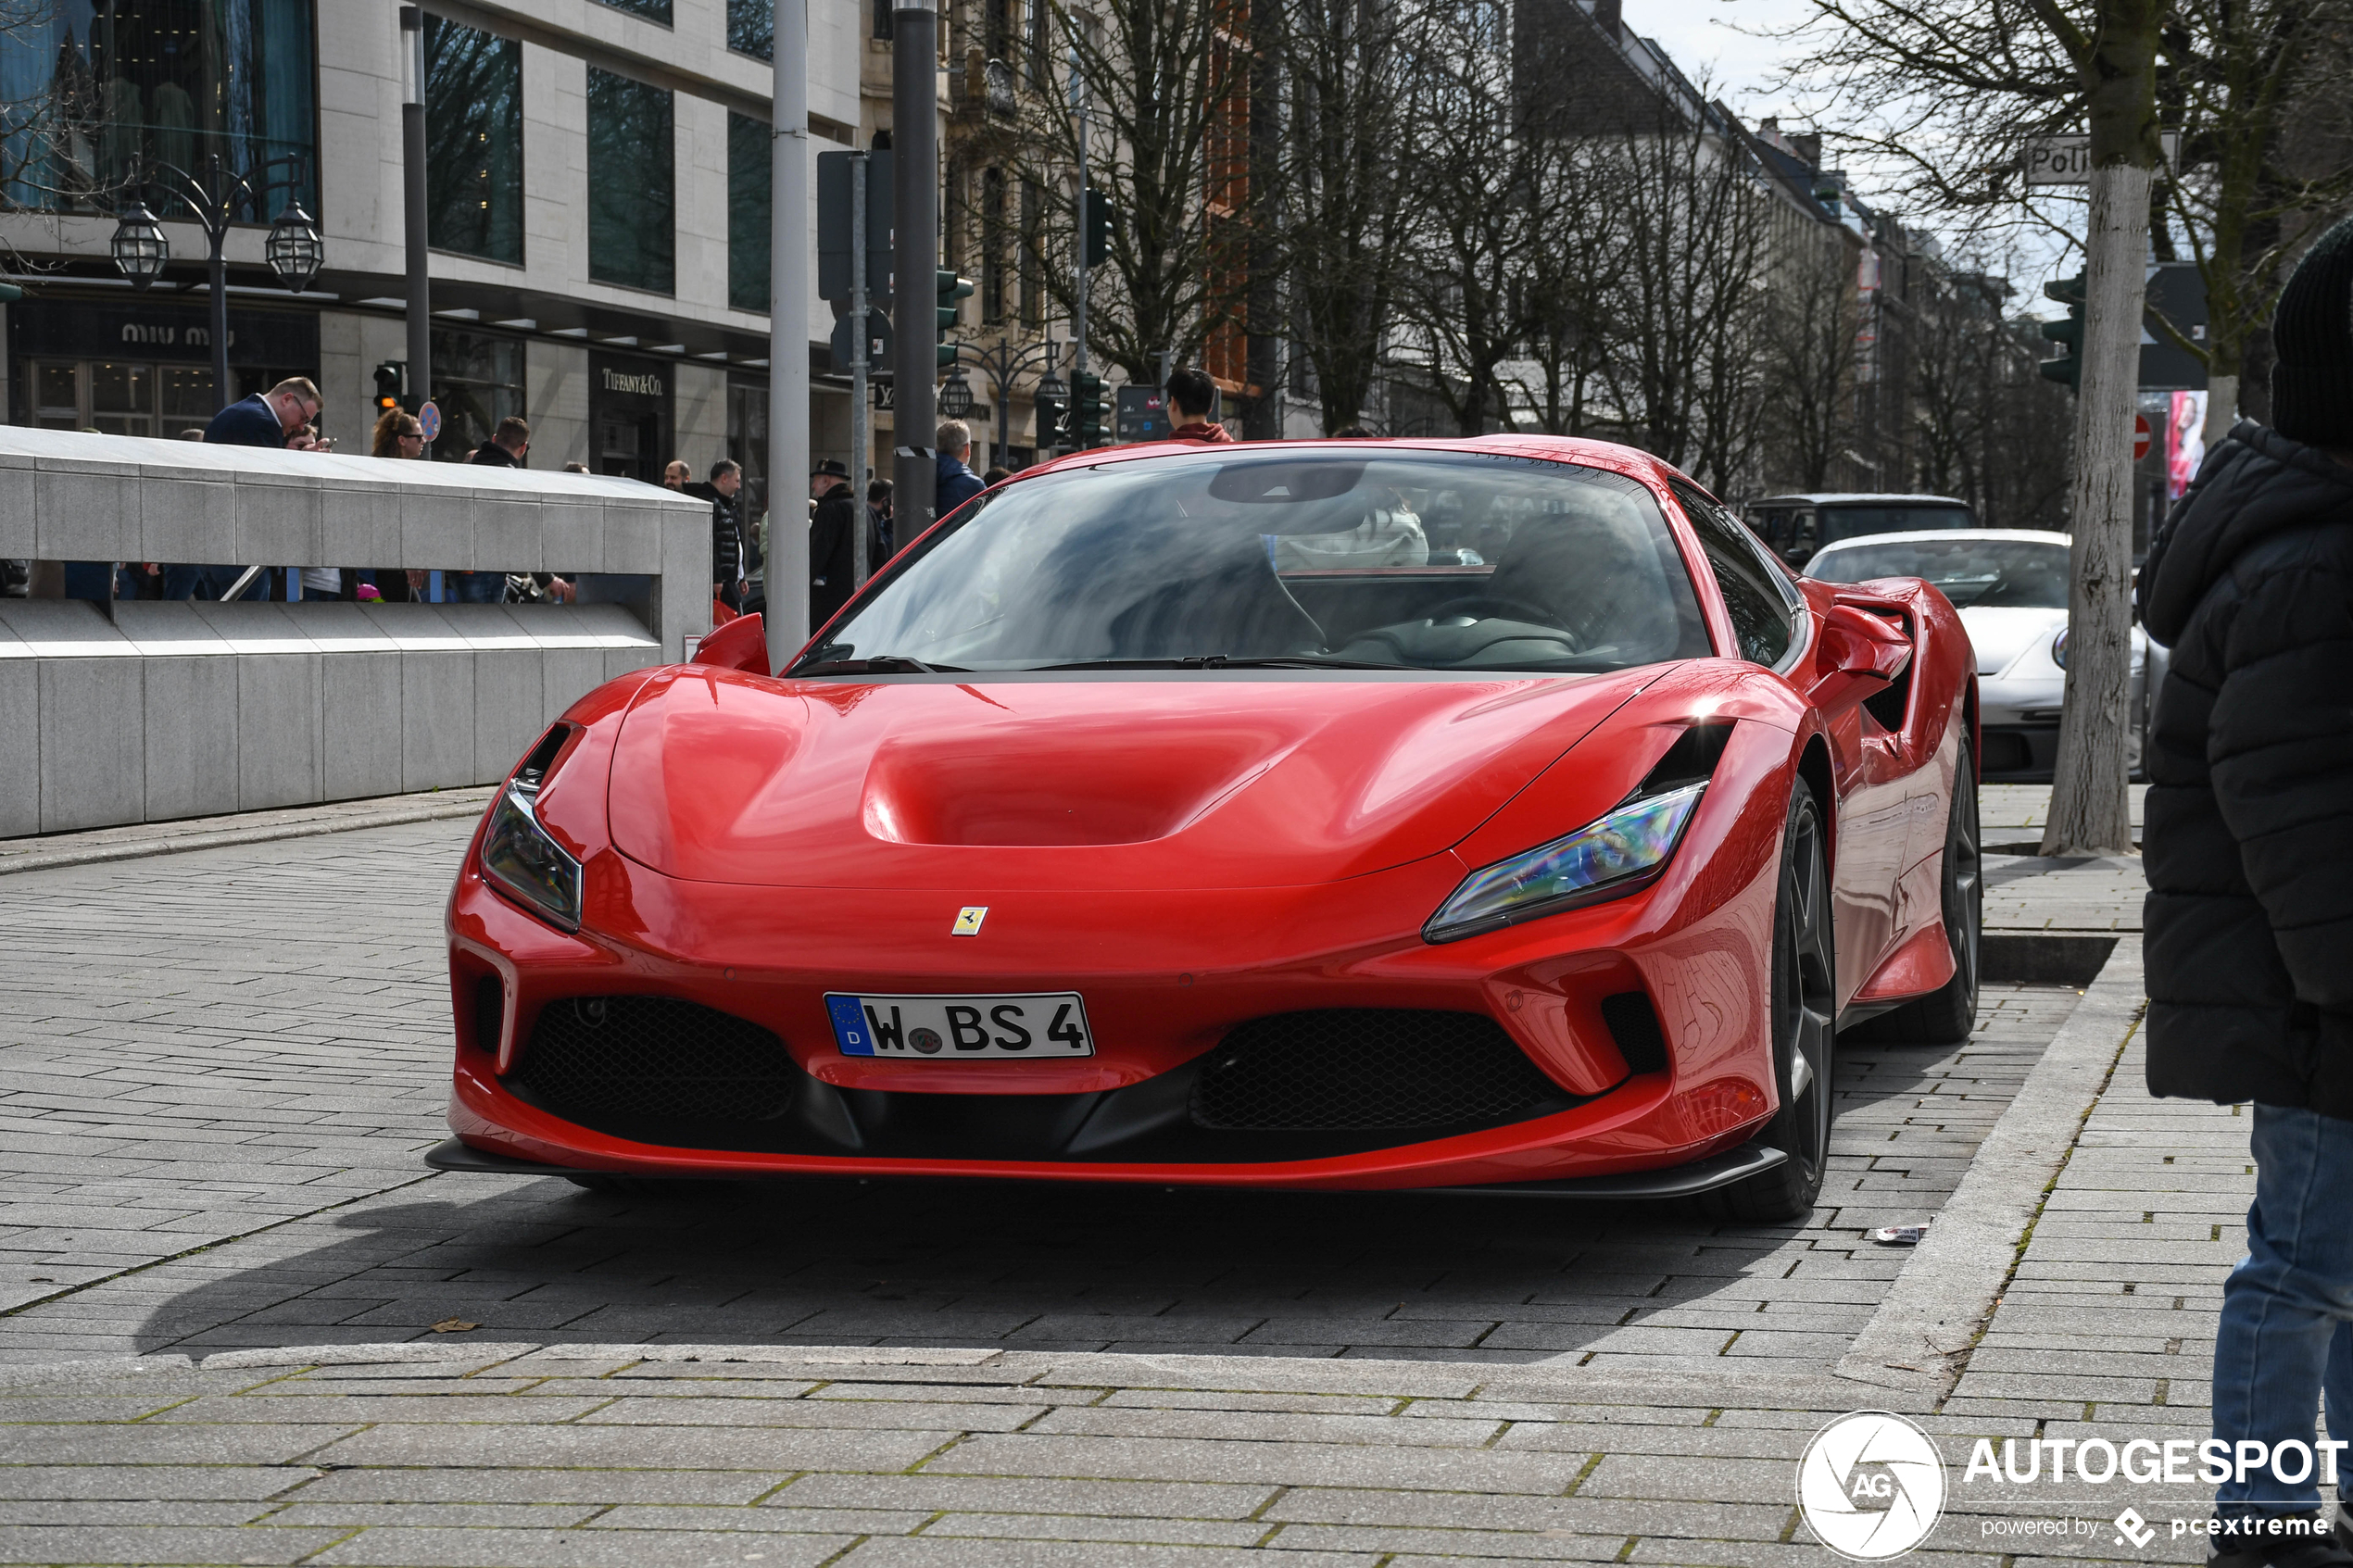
[263,1064]
[614,1422]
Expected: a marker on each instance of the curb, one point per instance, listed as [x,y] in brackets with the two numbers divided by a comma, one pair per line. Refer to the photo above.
[434,809]
[1947,1291]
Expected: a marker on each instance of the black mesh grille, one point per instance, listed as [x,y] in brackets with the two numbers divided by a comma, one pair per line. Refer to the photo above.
[1368,1068]
[619,1063]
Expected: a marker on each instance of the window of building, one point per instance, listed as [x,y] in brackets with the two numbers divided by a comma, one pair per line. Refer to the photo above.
[881,31]
[473,142]
[1033,255]
[653,11]
[751,28]
[750,157]
[92,88]
[992,246]
[477,381]
[633,171]
[122,398]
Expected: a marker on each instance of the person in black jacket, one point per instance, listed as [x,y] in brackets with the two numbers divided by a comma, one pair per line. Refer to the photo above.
[2249,921]
[833,540]
[730,562]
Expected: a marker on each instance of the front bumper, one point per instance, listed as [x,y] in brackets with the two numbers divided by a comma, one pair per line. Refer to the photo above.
[1166,978]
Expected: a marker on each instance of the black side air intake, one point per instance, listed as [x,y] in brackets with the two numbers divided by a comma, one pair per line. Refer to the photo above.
[1634,1024]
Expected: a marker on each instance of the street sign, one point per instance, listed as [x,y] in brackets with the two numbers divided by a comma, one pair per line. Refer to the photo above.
[1141,415]
[2066,160]
[2178,294]
[833,226]
[429,418]
[877,341]
[2140,436]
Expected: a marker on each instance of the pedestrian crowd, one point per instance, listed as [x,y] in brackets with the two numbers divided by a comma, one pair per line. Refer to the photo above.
[286,418]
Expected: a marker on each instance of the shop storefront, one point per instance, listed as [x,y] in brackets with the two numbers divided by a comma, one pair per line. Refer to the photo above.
[131,367]
[630,419]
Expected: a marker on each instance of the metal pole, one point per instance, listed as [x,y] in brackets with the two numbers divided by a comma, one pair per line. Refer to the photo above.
[1078,239]
[788,247]
[412,180]
[914,149]
[860,440]
[1002,370]
[216,224]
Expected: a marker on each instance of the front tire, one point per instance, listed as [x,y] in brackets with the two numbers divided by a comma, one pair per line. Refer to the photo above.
[1805,1036]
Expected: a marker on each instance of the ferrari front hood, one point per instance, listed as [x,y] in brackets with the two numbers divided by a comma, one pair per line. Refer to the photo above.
[1220,781]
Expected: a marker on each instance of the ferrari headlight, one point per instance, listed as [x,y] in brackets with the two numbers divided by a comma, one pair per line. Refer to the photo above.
[1614,856]
[518,855]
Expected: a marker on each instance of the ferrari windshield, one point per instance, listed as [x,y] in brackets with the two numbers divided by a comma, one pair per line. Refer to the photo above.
[1993,573]
[1346,557]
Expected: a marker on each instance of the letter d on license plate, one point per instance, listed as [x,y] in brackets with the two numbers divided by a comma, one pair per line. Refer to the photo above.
[1046,1024]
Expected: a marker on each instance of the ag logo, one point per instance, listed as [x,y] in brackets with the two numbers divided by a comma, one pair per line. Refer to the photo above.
[1870,1485]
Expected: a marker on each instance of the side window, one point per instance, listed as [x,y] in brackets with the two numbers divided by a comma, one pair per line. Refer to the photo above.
[1764,617]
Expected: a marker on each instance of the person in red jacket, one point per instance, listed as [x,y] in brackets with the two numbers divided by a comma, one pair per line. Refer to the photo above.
[1192,395]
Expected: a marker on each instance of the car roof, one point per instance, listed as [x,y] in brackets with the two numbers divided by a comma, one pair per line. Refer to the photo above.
[1559,448]
[1911,534]
[1857,499]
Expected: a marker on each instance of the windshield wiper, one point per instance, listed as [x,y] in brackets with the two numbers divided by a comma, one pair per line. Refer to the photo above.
[881,664]
[1222,662]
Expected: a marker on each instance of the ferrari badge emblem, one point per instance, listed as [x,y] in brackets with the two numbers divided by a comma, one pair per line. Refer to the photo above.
[968,920]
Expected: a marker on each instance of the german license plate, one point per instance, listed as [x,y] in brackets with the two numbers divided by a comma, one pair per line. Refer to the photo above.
[1044,1024]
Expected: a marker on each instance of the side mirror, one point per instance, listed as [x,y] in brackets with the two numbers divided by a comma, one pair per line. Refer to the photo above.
[1861,655]
[742,644]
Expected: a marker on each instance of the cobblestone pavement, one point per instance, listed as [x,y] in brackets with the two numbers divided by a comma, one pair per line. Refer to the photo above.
[250,1043]
[1394,1382]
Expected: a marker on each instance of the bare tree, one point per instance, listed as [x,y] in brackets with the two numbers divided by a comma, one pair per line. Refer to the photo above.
[2252,84]
[1956,85]
[1342,189]
[1569,291]
[1689,225]
[1166,79]
[1808,351]
[1482,205]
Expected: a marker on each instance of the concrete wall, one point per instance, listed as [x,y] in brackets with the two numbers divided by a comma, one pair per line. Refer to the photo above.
[144,711]
[194,709]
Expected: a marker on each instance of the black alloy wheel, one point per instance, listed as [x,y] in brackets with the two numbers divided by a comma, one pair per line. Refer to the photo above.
[1804,1032]
[1946,1015]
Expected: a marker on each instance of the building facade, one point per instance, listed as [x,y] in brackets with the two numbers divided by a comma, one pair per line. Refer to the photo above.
[597,194]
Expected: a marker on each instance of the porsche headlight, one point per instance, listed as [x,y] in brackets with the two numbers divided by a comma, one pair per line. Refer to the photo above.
[2058,648]
[518,855]
[1613,856]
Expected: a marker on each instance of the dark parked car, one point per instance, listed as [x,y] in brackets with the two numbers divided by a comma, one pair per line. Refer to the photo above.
[1797,526]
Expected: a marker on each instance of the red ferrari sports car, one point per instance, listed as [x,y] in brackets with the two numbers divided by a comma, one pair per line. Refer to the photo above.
[1495,814]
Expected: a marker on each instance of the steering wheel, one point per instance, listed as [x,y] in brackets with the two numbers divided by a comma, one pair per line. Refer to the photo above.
[1521,610]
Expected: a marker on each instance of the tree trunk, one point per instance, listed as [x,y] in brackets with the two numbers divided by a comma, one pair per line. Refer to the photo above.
[2091,810]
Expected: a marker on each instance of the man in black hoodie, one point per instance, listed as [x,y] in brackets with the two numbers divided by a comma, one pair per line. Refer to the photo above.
[2250,908]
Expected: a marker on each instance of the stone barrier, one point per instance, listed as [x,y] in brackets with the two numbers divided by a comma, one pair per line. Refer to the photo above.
[146,710]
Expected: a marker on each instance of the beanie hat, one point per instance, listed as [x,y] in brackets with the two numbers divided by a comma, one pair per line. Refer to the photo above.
[2312,336]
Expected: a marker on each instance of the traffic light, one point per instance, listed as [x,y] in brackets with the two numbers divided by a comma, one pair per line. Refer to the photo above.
[1101,216]
[390,378]
[1054,408]
[953,291]
[1088,411]
[2068,365]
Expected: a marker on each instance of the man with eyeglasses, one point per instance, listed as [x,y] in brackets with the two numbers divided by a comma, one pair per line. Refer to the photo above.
[266,419]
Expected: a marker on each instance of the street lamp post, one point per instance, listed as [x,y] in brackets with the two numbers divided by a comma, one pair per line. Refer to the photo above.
[215,196]
[1003,362]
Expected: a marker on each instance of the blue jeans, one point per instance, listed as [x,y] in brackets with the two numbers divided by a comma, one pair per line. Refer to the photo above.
[476,588]
[2287,1309]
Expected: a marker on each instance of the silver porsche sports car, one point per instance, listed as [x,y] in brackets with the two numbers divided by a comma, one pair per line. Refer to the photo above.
[2010,586]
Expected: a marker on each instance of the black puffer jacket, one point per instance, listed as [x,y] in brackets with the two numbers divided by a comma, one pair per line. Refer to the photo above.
[2249,922]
